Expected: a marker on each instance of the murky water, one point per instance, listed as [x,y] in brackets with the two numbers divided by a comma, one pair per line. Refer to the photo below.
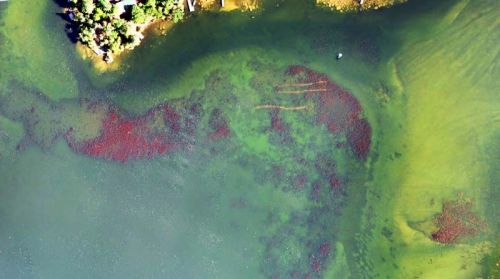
[238,146]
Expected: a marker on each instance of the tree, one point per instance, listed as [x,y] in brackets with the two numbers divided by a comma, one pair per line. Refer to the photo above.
[103,29]
[173,10]
[151,3]
[106,5]
[98,14]
[138,15]
[177,14]
[87,35]
[88,6]
[116,45]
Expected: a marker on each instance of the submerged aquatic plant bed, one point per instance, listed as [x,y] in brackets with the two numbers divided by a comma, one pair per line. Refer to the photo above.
[330,115]
[336,108]
[457,221]
[109,27]
[161,130]
[168,127]
[302,246]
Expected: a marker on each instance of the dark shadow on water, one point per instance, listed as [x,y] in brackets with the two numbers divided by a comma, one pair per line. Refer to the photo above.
[61,3]
[72,32]
[209,33]
[70,27]
[163,60]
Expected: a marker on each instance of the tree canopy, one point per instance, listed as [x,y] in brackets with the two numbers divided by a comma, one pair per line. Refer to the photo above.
[102,27]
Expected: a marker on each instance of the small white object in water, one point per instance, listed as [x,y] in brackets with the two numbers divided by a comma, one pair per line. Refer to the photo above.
[339,55]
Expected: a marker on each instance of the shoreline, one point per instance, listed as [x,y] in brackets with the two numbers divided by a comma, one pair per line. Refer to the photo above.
[345,6]
[156,28]
[109,61]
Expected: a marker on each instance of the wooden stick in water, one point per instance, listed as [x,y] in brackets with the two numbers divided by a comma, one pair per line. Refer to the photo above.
[282,107]
[301,84]
[303,91]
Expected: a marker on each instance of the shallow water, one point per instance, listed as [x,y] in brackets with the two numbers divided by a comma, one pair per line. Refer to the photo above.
[194,181]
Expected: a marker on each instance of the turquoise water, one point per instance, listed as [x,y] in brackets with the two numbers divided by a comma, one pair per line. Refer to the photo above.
[163,218]
[261,202]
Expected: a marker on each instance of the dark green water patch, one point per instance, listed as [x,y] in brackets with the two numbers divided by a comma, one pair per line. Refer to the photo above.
[309,36]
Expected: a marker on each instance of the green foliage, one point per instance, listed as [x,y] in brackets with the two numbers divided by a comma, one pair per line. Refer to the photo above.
[152,11]
[88,6]
[86,35]
[177,14]
[106,5]
[138,15]
[117,45]
[150,3]
[101,27]
[98,14]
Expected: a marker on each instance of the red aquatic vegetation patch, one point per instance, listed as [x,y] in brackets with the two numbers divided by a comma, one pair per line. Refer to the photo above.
[335,182]
[277,123]
[280,129]
[191,117]
[299,182]
[219,125]
[457,221]
[318,259]
[326,167]
[324,249]
[359,138]
[336,108]
[123,138]
[172,119]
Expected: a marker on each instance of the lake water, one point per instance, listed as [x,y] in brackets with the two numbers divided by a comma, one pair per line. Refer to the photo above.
[238,146]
